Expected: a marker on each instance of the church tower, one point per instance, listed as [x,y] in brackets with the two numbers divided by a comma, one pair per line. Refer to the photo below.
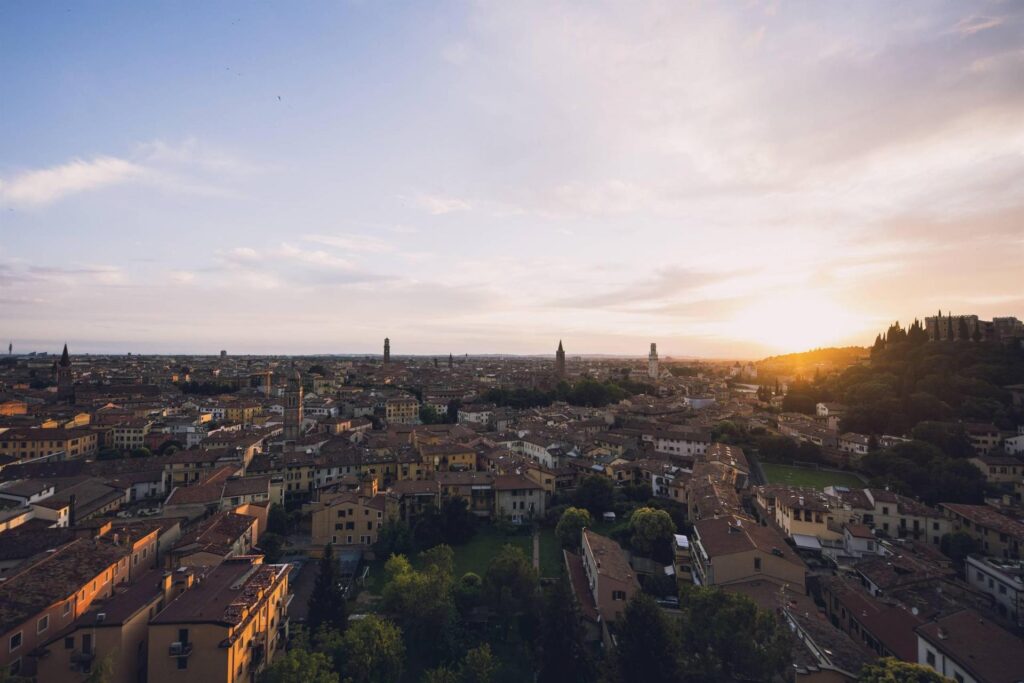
[65,380]
[560,361]
[293,407]
[387,350]
[652,362]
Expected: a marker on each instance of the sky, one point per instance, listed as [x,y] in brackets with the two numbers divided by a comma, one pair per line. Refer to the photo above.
[725,179]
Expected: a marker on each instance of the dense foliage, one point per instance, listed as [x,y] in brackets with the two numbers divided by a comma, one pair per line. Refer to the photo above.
[911,380]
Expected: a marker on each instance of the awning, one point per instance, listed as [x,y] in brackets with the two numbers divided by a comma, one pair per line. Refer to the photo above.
[805,542]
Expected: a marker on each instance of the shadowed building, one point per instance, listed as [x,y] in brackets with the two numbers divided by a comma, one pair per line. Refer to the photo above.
[560,361]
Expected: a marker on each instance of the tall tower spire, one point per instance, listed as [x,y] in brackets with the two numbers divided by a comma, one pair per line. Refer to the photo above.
[560,361]
[293,407]
[387,350]
[653,371]
[65,379]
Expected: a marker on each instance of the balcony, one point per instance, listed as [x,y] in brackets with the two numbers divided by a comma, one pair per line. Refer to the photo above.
[80,657]
[179,649]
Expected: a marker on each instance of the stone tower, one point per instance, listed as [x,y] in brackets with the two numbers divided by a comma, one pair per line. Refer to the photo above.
[652,362]
[451,361]
[387,350]
[560,361]
[293,407]
[65,380]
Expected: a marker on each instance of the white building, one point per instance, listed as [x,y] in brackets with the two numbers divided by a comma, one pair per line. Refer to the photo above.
[1003,580]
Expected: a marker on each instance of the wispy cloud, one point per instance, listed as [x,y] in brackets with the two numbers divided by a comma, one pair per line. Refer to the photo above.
[46,185]
[353,243]
[438,205]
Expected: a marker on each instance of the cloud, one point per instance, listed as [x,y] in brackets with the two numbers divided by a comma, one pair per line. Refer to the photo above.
[968,26]
[290,266]
[437,205]
[353,243]
[189,168]
[47,185]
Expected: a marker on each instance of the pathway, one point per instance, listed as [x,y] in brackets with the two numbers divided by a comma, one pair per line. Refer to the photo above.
[536,550]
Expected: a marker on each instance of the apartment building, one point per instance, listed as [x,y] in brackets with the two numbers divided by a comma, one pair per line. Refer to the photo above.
[1003,580]
[967,648]
[347,518]
[405,411]
[517,498]
[32,444]
[733,550]
[116,628]
[131,434]
[48,594]
[999,535]
[226,628]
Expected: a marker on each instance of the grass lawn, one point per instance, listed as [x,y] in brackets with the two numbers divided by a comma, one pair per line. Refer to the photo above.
[470,557]
[550,554]
[803,476]
[485,544]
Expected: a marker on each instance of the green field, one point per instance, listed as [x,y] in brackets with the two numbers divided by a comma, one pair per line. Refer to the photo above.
[473,556]
[803,476]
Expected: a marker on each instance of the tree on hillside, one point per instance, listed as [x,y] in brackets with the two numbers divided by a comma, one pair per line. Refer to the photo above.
[421,603]
[327,606]
[652,532]
[277,520]
[570,526]
[726,637]
[299,666]
[510,588]
[648,649]
[595,493]
[372,651]
[892,670]
[564,657]
[957,546]
[478,666]
[457,522]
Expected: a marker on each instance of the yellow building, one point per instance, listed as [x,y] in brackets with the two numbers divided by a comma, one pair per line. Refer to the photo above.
[348,518]
[31,444]
[227,628]
[449,457]
[243,412]
[116,628]
[131,433]
[404,411]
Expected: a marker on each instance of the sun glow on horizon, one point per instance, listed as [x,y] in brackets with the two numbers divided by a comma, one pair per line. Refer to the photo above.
[798,321]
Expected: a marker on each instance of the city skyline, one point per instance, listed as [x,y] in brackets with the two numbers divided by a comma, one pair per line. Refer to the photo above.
[730,182]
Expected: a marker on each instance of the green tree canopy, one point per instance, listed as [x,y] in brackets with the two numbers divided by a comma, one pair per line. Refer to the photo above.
[891,670]
[372,651]
[570,526]
[652,532]
[299,666]
[327,607]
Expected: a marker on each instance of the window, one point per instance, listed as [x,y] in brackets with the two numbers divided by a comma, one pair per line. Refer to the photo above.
[930,658]
[618,595]
[67,608]
[15,641]
[757,564]
[69,643]
[43,624]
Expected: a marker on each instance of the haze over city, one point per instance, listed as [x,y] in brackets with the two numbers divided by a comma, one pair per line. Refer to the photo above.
[482,177]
